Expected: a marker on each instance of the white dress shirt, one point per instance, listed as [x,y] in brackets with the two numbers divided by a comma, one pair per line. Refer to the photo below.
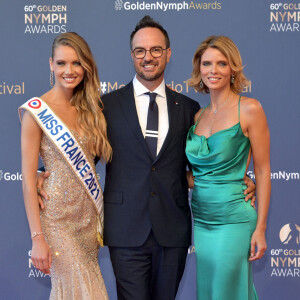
[142,105]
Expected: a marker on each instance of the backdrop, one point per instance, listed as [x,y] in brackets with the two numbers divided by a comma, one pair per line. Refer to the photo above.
[267,34]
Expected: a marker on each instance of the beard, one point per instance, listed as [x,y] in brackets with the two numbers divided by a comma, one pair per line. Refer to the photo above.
[150,76]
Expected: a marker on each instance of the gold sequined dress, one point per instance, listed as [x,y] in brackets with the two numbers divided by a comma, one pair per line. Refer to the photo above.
[69,222]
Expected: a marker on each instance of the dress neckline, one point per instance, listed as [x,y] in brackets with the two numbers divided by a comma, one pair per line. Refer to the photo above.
[217,132]
[222,130]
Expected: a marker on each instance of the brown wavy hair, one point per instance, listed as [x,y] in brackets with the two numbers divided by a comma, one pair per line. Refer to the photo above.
[86,96]
[228,48]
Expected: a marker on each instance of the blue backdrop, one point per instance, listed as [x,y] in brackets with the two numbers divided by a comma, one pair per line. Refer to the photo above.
[267,34]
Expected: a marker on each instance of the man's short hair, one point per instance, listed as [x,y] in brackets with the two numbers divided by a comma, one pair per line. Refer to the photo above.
[145,22]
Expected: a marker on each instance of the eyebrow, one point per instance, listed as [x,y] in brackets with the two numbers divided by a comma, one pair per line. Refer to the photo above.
[60,59]
[149,48]
[221,60]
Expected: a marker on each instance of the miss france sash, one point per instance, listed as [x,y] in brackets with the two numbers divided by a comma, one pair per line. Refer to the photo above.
[70,149]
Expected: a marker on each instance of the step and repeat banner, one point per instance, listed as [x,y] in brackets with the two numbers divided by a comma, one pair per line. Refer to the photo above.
[268,36]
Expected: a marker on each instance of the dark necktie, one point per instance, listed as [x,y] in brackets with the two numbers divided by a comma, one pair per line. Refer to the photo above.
[152,125]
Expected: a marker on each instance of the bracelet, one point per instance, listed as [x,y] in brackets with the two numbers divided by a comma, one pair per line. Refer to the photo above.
[36,233]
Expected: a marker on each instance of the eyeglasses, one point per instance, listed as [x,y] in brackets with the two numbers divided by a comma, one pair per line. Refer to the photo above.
[154,51]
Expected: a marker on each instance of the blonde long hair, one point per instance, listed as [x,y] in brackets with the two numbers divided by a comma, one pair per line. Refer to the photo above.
[228,48]
[86,96]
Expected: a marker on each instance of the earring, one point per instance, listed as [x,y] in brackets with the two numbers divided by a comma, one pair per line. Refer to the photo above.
[51,79]
[232,79]
[201,84]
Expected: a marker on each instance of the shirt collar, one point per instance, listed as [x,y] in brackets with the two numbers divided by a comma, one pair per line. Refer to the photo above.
[140,89]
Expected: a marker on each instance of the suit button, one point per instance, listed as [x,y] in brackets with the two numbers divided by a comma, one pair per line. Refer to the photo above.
[153,194]
[153,169]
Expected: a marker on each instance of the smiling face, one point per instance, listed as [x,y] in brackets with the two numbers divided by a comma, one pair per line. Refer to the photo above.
[150,70]
[67,68]
[215,70]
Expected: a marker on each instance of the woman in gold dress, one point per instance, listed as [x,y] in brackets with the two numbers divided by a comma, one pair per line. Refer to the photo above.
[64,233]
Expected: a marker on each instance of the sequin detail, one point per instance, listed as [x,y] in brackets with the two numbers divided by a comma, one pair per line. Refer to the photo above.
[69,222]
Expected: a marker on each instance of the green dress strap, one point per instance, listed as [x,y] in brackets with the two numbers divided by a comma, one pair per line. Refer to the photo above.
[239,107]
[201,114]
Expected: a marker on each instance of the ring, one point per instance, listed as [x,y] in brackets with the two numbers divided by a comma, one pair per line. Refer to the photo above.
[38,191]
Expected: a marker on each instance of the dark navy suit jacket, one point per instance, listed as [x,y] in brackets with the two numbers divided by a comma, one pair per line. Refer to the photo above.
[140,193]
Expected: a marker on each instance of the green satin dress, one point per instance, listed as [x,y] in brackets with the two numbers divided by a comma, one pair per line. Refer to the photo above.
[223,221]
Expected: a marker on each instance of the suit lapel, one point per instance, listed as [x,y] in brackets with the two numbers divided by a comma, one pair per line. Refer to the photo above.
[173,111]
[127,104]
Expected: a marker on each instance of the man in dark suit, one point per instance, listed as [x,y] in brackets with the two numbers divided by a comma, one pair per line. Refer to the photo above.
[147,216]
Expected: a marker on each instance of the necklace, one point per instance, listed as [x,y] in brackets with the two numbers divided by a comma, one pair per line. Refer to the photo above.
[215,112]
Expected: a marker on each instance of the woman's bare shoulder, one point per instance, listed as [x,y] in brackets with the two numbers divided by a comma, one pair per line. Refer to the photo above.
[250,105]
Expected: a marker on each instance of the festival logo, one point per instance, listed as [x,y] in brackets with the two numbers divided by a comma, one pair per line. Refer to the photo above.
[285,260]
[290,234]
[166,6]
[285,17]
[45,19]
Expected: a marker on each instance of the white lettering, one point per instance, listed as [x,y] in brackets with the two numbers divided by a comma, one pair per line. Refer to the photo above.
[159,5]
[13,177]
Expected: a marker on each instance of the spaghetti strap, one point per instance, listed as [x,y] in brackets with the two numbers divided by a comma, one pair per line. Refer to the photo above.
[239,107]
[201,114]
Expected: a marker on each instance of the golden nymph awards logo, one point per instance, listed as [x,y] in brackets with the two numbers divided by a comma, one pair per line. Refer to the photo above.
[45,19]
[166,5]
[285,261]
[285,17]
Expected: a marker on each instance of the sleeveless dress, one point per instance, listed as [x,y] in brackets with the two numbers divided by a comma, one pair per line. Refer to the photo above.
[69,223]
[223,221]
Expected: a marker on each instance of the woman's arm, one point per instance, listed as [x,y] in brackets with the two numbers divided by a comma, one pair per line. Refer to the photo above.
[258,132]
[30,145]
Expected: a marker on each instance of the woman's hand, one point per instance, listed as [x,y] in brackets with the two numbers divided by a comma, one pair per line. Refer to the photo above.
[258,241]
[41,254]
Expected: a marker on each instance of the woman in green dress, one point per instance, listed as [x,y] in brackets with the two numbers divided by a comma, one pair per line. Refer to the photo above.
[228,232]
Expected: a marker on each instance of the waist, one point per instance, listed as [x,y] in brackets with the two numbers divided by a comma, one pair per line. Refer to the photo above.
[219,188]
[217,203]
[218,177]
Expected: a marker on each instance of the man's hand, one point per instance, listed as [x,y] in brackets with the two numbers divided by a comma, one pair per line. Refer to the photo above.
[190,179]
[250,191]
[41,176]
